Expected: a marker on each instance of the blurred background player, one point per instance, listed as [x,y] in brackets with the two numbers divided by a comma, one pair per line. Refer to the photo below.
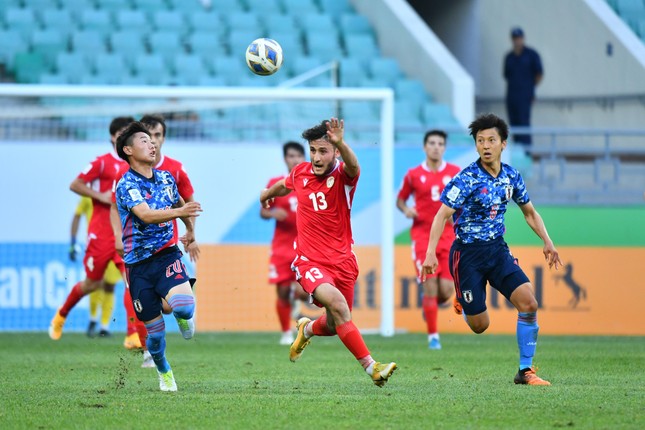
[96,182]
[283,210]
[476,199]
[156,127]
[426,182]
[147,199]
[325,264]
[103,297]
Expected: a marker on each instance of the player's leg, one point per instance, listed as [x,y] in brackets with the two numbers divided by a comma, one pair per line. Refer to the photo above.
[430,310]
[465,264]
[95,298]
[111,277]
[283,309]
[176,288]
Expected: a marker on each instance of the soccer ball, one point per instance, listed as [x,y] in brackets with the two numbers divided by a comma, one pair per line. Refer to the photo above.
[264,56]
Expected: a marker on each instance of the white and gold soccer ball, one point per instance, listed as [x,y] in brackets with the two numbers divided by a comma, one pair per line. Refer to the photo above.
[264,56]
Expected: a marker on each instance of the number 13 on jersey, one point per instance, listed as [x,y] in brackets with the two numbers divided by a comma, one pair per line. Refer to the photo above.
[318,201]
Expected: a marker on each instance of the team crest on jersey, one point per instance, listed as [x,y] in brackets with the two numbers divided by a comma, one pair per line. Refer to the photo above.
[330,182]
[423,179]
[135,194]
[468,296]
[137,305]
[509,192]
[168,191]
[304,182]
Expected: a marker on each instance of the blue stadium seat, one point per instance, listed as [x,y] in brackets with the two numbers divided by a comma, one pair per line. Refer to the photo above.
[97,20]
[278,22]
[28,66]
[9,4]
[290,42]
[325,46]
[110,64]
[263,7]
[304,64]
[351,23]
[227,66]
[299,7]
[206,44]
[189,68]
[352,72]
[40,4]
[222,6]
[165,20]
[335,7]
[99,80]
[131,19]
[361,46]
[71,63]
[151,5]
[57,19]
[411,91]
[49,43]
[53,79]
[408,121]
[133,80]
[630,8]
[88,41]
[438,115]
[114,5]
[166,43]
[375,83]
[385,68]
[243,21]
[130,42]
[21,20]
[149,64]
[207,22]
[11,43]
[238,40]
[212,81]
[320,22]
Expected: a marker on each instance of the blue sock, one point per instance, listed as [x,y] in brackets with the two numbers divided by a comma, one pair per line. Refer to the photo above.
[527,333]
[183,305]
[156,344]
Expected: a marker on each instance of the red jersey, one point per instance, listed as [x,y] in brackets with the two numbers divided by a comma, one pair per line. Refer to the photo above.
[285,231]
[101,175]
[323,214]
[427,186]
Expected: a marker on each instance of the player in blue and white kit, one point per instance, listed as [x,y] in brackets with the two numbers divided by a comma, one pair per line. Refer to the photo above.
[476,199]
[147,200]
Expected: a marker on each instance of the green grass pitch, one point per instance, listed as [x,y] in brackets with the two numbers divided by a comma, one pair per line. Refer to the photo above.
[245,381]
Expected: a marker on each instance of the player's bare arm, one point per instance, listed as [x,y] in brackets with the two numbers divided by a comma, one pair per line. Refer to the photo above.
[438,224]
[156,216]
[115,221]
[277,214]
[192,248]
[335,136]
[534,220]
[407,211]
[82,189]
[276,190]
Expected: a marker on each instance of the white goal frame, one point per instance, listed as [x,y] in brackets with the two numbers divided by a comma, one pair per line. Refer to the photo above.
[243,94]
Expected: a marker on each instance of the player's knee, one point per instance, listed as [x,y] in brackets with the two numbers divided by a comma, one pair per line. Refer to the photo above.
[529,304]
[183,305]
[478,328]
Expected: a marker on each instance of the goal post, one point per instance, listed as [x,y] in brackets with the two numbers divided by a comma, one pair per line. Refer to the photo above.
[36,103]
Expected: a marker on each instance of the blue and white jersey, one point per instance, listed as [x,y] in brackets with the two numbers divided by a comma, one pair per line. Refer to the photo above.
[480,201]
[141,240]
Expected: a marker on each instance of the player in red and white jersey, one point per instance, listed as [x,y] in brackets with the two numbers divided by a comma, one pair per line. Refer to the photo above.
[426,182]
[96,182]
[283,211]
[157,128]
[325,265]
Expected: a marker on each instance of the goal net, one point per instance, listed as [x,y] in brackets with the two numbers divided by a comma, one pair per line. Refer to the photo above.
[230,142]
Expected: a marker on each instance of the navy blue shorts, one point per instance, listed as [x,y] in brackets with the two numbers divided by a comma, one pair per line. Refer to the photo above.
[151,279]
[474,264]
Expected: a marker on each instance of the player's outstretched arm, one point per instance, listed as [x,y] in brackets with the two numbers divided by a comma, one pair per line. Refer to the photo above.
[82,189]
[192,248]
[534,220]
[156,216]
[438,224]
[335,135]
[276,190]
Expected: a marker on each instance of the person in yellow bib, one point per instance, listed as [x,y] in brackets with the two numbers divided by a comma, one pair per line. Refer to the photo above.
[103,297]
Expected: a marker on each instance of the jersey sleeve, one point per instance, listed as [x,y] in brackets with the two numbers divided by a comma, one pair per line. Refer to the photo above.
[406,187]
[92,171]
[520,193]
[290,179]
[349,181]
[184,185]
[455,193]
[128,194]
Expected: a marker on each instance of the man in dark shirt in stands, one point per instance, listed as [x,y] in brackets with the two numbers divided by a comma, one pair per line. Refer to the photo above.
[523,72]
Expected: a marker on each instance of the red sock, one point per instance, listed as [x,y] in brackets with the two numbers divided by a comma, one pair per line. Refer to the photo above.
[319,327]
[142,332]
[430,310]
[129,312]
[352,339]
[284,313]
[73,297]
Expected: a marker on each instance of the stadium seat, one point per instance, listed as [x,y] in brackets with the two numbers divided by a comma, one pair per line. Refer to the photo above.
[361,46]
[40,4]
[325,46]
[165,20]
[299,7]
[278,22]
[290,41]
[438,115]
[49,43]
[351,23]
[189,68]
[129,19]
[114,5]
[410,90]
[206,43]
[21,20]
[57,19]
[53,79]
[352,72]
[375,83]
[304,64]
[335,7]
[71,63]
[208,22]
[110,64]
[29,66]
[630,8]
[133,80]
[150,64]
[151,5]
[97,20]
[11,43]
[238,40]
[9,4]
[408,121]
[88,41]
[166,43]
[226,66]
[130,42]
[319,22]
[242,21]
[78,7]
[264,6]
[385,68]
[212,81]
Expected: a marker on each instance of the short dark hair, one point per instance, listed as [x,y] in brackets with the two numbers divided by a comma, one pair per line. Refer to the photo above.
[120,122]
[292,145]
[316,132]
[486,121]
[151,120]
[125,139]
[439,133]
